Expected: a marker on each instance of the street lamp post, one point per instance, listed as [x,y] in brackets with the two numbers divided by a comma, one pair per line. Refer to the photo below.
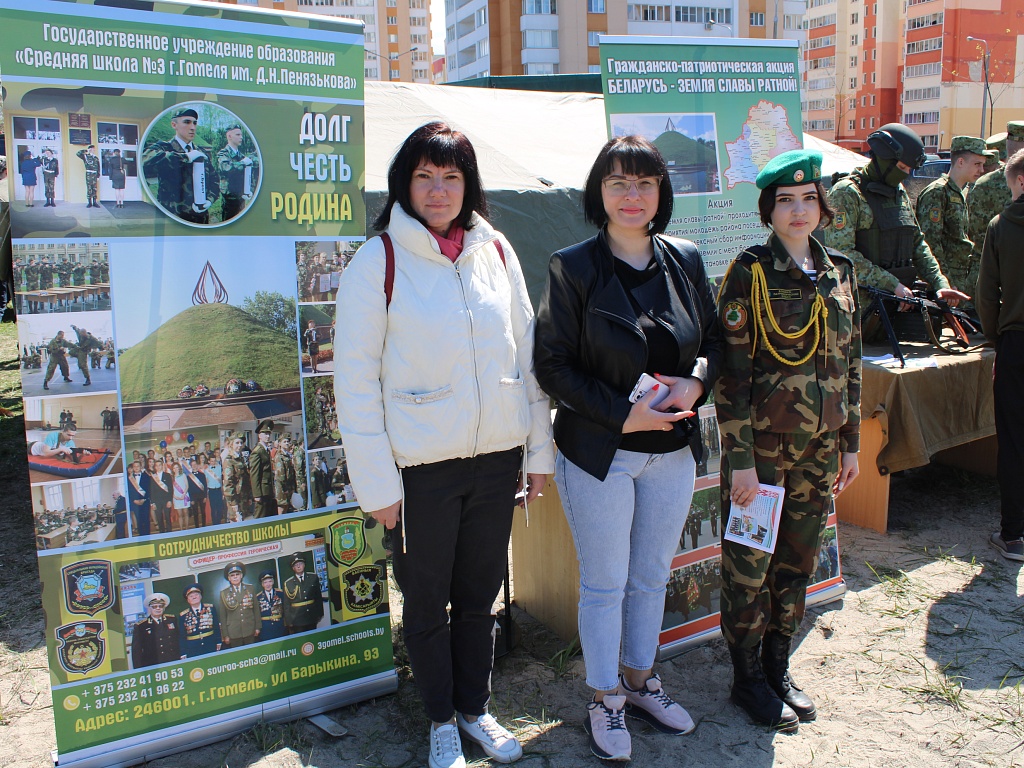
[389,58]
[986,98]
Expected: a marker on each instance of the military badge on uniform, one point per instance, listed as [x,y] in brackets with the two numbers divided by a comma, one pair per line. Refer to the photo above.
[735,316]
[935,215]
[798,175]
[347,540]
[80,648]
[839,220]
[362,592]
[87,586]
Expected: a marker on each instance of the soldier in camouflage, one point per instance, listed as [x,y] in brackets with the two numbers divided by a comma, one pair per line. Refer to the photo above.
[996,144]
[237,487]
[92,174]
[284,476]
[788,408]
[51,169]
[942,212]
[170,162]
[991,193]
[232,163]
[874,222]
[57,357]
[78,274]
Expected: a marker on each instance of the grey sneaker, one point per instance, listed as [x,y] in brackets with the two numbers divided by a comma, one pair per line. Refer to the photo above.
[445,748]
[606,724]
[655,707]
[1011,550]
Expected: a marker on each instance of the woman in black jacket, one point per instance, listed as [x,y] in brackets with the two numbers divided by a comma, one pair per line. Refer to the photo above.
[626,302]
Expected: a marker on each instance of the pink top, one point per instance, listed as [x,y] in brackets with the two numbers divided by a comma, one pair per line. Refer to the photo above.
[451,246]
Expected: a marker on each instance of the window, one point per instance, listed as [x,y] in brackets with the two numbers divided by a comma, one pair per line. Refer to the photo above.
[540,38]
[853,61]
[821,42]
[533,7]
[854,39]
[483,48]
[872,99]
[756,19]
[392,3]
[920,46]
[419,4]
[822,21]
[828,103]
[828,62]
[853,83]
[820,84]
[863,101]
[819,125]
[850,125]
[921,94]
[392,20]
[371,37]
[540,68]
[854,18]
[370,73]
[919,22]
[930,140]
[86,493]
[871,123]
[863,122]
[917,118]
[481,17]
[852,103]
[392,38]
[417,21]
[648,12]
[695,14]
[593,39]
[923,70]
[395,74]
[792,21]
[449,34]
[595,6]
[418,39]
[874,54]
[873,80]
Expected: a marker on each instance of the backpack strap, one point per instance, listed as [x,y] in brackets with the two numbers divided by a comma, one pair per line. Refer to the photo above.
[389,264]
[389,267]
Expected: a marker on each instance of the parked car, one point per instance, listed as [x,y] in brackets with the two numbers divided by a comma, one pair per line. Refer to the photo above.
[932,169]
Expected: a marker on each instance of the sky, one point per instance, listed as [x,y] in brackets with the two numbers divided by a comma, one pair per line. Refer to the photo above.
[437,26]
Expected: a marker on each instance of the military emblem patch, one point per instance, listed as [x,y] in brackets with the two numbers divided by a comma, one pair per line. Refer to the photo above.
[839,220]
[80,648]
[363,591]
[935,215]
[347,540]
[798,175]
[735,316]
[87,586]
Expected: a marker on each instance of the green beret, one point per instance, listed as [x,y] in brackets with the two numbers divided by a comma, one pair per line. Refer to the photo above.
[1015,130]
[997,143]
[968,144]
[797,166]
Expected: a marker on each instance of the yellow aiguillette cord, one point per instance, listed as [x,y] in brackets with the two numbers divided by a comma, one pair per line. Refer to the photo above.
[759,294]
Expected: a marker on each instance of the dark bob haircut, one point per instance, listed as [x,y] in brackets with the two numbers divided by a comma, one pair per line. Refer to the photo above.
[766,204]
[636,156]
[445,147]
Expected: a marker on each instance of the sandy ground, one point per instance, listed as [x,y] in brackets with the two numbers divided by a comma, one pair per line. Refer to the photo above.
[920,665]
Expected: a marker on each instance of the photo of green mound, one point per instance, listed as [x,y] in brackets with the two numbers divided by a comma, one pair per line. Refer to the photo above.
[687,141]
[207,344]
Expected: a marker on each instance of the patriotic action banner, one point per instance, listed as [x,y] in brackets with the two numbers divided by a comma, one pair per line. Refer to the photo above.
[718,110]
[186,188]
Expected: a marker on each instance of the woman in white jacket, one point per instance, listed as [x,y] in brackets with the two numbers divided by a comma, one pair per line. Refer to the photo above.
[442,420]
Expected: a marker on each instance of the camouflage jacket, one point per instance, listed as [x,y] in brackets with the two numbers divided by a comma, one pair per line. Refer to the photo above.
[237,489]
[232,170]
[755,392]
[299,462]
[168,163]
[942,213]
[987,198]
[284,478]
[853,213]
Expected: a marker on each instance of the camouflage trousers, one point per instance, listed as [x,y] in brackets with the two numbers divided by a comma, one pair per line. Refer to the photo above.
[48,185]
[965,278]
[83,365]
[51,367]
[762,590]
[92,181]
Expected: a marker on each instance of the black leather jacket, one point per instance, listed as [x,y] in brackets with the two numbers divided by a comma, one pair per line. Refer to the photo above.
[590,349]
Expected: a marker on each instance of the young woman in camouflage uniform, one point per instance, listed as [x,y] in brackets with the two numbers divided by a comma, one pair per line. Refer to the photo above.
[788,406]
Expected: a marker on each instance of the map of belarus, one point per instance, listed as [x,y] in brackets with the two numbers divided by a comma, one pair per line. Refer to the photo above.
[766,133]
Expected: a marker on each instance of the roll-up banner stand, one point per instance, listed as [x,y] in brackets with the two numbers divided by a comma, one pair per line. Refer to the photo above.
[198,189]
[718,109]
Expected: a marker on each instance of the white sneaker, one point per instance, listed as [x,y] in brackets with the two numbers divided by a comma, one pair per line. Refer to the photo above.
[445,747]
[497,742]
[606,725]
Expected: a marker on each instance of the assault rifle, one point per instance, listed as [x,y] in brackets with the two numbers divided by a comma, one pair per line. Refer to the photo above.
[959,322]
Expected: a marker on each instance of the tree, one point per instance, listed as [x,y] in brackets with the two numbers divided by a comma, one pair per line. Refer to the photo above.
[273,309]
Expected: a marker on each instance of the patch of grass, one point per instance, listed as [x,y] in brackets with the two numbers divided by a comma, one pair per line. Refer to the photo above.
[562,660]
[941,687]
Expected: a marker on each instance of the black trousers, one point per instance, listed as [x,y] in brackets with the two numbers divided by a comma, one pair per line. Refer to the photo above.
[458,518]
[1008,389]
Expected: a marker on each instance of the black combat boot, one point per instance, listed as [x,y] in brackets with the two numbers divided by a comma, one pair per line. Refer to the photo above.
[775,658]
[751,692]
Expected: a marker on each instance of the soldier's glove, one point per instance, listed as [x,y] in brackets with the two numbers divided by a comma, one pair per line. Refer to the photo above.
[195,155]
[246,161]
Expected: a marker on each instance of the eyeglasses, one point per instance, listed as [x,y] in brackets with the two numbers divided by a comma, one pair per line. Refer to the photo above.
[619,185]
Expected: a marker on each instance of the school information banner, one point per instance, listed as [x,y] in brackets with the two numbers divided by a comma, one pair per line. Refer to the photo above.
[186,189]
[718,110]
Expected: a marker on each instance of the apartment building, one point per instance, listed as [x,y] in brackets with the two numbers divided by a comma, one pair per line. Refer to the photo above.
[869,63]
[545,37]
[397,32]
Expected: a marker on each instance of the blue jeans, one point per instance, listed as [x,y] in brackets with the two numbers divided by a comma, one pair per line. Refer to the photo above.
[626,530]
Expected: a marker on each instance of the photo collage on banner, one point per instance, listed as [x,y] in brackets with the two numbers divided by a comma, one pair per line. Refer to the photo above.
[203,558]
[718,110]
